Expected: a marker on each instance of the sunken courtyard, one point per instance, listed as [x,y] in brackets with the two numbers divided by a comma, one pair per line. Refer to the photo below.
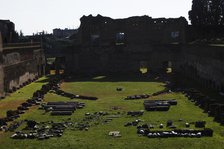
[138,82]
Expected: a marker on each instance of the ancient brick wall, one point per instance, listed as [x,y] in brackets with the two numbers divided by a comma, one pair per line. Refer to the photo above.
[204,63]
[7,29]
[121,45]
[123,59]
[17,74]
[136,30]
[1,69]
[154,42]
[20,64]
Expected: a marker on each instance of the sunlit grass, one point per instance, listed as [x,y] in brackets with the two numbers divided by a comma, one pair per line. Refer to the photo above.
[143,70]
[169,70]
[99,77]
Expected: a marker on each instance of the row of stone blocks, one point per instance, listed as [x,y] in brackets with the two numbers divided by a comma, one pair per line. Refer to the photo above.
[206,132]
[159,105]
[213,107]
[62,108]
[37,98]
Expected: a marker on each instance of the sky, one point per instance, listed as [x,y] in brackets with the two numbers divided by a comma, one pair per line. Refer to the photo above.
[32,16]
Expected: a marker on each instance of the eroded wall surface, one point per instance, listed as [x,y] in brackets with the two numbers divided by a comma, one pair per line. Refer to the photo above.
[105,45]
[204,63]
[1,69]
[20,64]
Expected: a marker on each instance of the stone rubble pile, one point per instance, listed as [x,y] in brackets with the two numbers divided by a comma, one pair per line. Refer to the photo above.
[134,97]
[42,130]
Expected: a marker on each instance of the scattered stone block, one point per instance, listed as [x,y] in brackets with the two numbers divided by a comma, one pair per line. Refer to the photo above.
[114,134]
[200,124]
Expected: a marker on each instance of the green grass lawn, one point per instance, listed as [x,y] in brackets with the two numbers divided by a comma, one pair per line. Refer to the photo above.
[97,136]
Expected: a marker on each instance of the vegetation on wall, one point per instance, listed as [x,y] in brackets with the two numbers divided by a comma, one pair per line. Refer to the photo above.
[207,12]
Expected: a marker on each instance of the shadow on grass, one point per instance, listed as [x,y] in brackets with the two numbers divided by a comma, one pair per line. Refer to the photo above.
[115,78]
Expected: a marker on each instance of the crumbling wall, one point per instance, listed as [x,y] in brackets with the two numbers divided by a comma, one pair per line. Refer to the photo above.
[155,42]
[136,30]
[1,69]
[7,29]
[20,64]
[18,74]
[127,59]
[120,45]
[204,63]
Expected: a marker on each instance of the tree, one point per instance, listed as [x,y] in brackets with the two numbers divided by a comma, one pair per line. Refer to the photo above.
[207,12]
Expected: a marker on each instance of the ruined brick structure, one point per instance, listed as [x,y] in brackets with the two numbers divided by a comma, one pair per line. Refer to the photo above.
[63,33]
[20,63]
[104,31]
[204,64]
[7,29]
[105,45]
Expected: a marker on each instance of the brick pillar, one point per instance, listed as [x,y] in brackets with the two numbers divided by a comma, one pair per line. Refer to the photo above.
[1,68]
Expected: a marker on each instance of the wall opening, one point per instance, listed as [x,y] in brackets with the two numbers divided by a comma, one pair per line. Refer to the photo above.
[50,66]
[95,40]
[55,65]
[143,67]
[120,39]
[5,40]
[60,65]
[175,34]
[167,67]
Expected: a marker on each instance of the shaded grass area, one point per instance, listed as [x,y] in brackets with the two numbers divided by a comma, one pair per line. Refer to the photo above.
[97,136]
[115,77]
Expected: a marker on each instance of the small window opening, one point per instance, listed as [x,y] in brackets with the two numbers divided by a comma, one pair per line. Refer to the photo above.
[175,34]
[120,38]
[143,67]
[95,40]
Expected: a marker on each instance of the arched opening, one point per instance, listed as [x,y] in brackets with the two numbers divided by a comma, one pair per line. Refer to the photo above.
[167,67]
[59,65]
[50,65]
[120,39]
[95,40]
[143,67]
[5,40]
[55,65]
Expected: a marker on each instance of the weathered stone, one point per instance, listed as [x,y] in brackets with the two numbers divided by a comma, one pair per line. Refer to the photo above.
[61,113]
[135,113]
[114,133]
[200,124]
